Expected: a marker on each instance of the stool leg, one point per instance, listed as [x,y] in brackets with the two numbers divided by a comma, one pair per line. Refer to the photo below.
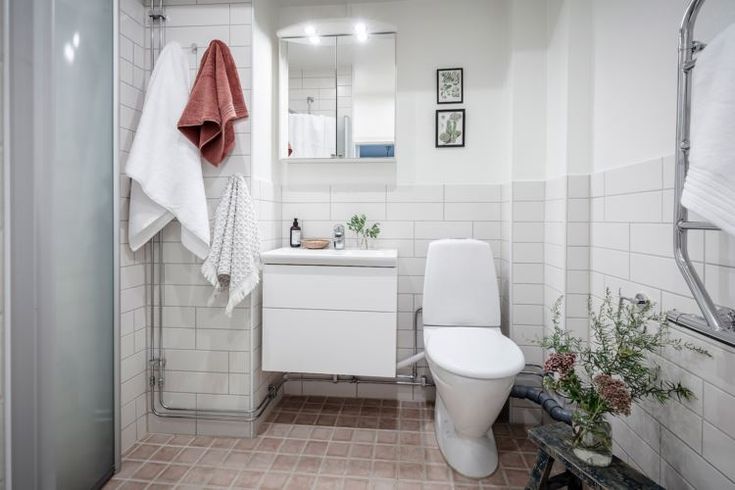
[540,472]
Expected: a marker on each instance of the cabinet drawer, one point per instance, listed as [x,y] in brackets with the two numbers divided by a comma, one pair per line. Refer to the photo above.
[330,288]
[329,342]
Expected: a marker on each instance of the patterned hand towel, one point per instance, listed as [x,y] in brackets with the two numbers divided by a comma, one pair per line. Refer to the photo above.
[233,263]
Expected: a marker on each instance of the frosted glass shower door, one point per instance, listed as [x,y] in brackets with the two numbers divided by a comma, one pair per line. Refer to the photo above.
[62,243]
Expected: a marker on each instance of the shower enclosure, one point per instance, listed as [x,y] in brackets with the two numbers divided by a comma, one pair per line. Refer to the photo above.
[61,233]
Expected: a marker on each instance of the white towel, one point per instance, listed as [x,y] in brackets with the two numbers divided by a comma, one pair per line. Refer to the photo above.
[234,263]
[709,189]
[312,135]
[164,165]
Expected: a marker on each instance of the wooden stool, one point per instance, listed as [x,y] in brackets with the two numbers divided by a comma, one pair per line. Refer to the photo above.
[554,444]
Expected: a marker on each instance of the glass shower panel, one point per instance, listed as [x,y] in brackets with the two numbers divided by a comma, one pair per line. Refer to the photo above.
[79,183]
[63,236]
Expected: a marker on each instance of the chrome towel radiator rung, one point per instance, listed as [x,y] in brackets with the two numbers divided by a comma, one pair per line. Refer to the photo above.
[717,323]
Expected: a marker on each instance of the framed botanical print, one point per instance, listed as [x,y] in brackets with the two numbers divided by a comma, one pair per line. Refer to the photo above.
[450,128]
[449,86]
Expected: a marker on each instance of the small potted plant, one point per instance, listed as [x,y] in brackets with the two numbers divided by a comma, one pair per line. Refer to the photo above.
[358,224]
[610,372]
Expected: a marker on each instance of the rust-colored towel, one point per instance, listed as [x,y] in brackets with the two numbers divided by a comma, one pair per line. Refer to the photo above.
[216,101]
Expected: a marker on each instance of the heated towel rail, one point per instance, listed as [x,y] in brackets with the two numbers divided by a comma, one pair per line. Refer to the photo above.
[717,323]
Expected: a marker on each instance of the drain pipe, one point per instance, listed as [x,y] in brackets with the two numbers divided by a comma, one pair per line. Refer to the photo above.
[541,397]
[414,359]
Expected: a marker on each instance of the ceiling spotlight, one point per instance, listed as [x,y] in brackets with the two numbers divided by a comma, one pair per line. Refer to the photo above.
[310,30]
[361,32]
[315,39]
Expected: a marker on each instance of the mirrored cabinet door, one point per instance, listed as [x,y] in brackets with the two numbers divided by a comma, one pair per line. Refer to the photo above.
[366,85]
[341,96]
[312,97]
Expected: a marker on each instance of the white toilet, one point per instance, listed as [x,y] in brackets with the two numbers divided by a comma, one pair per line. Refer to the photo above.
[473,364]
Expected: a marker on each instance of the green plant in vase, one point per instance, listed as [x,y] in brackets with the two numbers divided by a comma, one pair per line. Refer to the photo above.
[358,224]
[611,371]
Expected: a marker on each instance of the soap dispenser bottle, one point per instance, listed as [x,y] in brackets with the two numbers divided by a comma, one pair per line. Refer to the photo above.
[295,235]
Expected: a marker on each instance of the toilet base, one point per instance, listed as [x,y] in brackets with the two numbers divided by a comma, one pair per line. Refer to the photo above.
[473,457]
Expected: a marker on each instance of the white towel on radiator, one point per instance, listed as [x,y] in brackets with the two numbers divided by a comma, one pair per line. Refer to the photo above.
[164,165]
[709,189]
[234,262]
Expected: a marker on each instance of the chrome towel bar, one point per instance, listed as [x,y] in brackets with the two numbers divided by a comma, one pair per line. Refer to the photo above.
[717,323]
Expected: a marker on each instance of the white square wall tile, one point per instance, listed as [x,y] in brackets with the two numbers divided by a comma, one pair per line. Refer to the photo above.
[307,211]
[528,211]
[528,232]
[472,193]
[646,176]
[412,211]
[610,235]
[415,193]
[578,186]
[610,262]
[442,229]
[699,473]
[472,211]
[529,191]
[487,230]
[640,207]
[197,15]
[359,193]
[528,253]
[343,211]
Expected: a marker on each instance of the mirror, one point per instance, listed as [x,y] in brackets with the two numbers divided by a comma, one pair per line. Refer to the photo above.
[341,97]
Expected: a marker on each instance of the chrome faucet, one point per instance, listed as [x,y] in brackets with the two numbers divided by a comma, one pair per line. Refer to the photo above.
[339,237]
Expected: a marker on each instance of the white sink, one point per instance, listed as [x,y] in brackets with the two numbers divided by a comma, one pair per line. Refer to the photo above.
[349,257]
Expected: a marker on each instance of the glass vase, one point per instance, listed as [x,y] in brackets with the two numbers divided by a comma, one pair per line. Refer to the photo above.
[592,438]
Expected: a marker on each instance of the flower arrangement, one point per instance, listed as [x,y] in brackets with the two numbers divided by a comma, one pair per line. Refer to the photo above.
[358,224]
[613,370]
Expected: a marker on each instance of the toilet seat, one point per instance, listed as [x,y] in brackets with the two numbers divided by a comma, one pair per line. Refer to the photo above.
[475,352]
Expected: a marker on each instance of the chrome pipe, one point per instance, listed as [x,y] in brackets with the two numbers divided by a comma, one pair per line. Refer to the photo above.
[403,380]
[415,367]
[220,415]
[697,225]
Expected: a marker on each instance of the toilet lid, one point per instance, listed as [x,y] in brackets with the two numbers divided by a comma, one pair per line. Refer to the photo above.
[483,353]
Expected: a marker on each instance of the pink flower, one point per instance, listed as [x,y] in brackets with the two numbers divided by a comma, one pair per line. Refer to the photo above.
[560,362]
[614,393]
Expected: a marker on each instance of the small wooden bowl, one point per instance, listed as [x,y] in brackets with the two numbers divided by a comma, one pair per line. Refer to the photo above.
[315,243]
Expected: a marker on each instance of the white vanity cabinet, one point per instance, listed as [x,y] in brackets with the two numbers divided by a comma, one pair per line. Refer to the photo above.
[330,311]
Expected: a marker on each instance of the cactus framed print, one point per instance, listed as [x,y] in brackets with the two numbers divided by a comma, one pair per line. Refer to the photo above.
[449,86]
[450,128]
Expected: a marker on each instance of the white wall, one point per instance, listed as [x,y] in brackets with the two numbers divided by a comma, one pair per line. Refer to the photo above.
[264,106]
[434,34]
[527,82]
[635,75]
[569,84]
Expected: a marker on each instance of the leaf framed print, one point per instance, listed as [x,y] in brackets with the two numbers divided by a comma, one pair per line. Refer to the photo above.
[450,128]
[449,86]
